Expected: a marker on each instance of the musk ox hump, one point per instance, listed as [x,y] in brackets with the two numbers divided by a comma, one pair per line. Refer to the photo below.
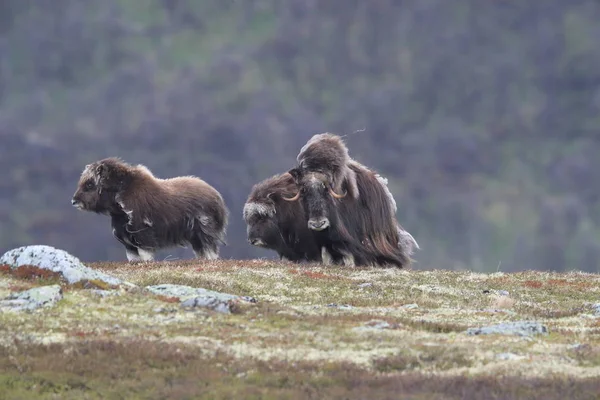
[327,153]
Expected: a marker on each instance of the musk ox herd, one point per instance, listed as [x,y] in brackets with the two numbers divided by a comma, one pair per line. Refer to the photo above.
[328,209]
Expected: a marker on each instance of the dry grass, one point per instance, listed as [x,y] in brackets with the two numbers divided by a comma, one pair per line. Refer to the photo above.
[313,334]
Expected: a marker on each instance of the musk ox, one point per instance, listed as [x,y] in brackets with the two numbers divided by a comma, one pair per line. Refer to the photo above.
[279,225]
[347,206]
[148,213]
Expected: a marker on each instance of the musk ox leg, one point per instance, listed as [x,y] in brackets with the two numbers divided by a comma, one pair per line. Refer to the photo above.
[205,247]
[132,255]
[146,255]
[327,258]
[348,259]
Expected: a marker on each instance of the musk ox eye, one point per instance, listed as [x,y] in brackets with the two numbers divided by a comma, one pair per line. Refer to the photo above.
[89,185]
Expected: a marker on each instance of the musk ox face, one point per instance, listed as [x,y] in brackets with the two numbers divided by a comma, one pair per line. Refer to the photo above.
[262,229]
[94,192]
[88,197]
[317,195]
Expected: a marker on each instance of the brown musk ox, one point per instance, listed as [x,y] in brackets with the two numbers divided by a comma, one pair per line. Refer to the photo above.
[347,206]
[149,213]
[279,225]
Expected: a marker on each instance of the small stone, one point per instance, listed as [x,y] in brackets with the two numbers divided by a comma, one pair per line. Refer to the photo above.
[509,356]
[410,306]
[340,306]
[519,328]
[210,302]
[183,293]
[45,296]
[364,285]
[596,308]
[503,293]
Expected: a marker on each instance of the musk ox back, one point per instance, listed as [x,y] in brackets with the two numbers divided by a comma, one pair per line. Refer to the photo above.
[148,213]
[275,224]
[361,229]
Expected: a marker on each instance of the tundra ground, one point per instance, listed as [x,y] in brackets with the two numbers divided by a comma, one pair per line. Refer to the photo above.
[315,332]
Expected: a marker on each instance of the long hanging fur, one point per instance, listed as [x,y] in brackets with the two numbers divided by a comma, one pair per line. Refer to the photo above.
[149,213]
[361,226]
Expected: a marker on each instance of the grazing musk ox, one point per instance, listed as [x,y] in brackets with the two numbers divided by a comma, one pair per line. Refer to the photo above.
[148,213]
[279,225]
[348,207]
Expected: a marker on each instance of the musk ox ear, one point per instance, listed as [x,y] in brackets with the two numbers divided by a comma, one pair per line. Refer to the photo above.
[296,174]
[100,170]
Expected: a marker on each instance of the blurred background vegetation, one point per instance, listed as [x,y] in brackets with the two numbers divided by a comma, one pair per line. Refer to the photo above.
[483,115]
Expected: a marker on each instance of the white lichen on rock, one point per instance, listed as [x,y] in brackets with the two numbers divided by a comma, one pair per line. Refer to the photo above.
[56,260]
[44,296]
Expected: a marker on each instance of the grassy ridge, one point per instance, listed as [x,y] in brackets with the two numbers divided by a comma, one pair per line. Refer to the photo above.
[312,334]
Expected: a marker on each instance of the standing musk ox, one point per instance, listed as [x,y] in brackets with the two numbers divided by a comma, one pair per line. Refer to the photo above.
[148,213]
[279,225]
[348,206]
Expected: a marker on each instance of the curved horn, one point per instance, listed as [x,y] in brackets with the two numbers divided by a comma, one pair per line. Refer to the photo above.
[337,196]
[296,197]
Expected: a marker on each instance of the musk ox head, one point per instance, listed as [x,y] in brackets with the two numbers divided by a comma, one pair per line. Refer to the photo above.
[327,154]
[317,194]
[265,210]
[98,184]
[262,229]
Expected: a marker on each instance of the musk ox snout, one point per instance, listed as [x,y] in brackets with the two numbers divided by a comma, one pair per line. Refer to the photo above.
[257,242]
[318,224]
[76,202]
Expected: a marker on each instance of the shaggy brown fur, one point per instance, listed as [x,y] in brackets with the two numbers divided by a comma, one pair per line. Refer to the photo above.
[149,213]
[327,153]
[360,229]
[279,225]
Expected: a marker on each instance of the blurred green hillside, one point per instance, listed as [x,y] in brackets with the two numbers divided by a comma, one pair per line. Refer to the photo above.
[484,116]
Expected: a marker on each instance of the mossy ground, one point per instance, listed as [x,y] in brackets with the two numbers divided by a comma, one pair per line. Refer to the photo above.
[310,335]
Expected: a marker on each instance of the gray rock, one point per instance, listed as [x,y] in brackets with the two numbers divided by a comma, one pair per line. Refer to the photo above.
[364,285]
[503,293]
[519,328]
[44,296]
[410,306]
[596,308]
[210,302]
[340,306]
[183,293]
[55,260]
[508,356]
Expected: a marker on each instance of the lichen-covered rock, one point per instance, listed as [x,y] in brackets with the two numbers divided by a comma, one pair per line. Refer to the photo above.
[519,328]
[191,297]
[58,261]
[183,292]
[210,302]
[44,296]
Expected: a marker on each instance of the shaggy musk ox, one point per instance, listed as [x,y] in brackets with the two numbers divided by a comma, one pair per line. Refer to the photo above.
[279,225]
[149,213]
[348,206]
